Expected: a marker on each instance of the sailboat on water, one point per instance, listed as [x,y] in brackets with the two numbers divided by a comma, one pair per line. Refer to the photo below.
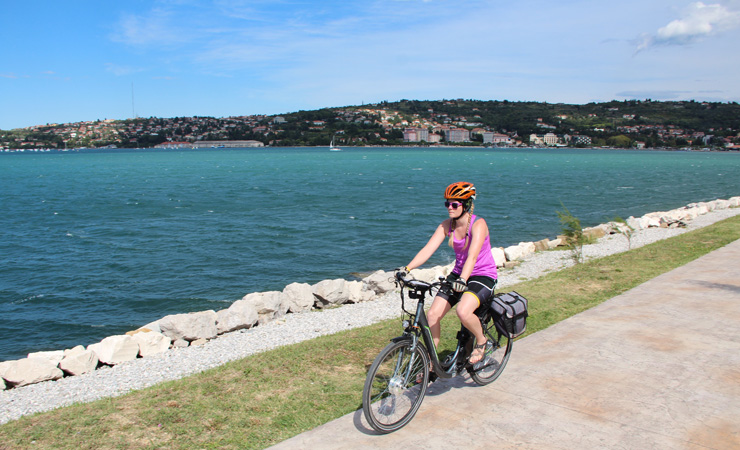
[332,148]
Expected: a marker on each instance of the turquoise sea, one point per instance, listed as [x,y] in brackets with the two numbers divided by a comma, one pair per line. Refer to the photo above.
[96,244]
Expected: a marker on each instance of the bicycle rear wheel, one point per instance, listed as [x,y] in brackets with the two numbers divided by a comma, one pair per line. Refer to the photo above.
[395,386]
[493,363]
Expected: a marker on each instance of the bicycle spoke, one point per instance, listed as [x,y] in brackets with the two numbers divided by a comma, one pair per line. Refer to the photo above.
[392,395]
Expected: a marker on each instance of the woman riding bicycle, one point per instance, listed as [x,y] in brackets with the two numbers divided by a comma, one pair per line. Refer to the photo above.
[474,275]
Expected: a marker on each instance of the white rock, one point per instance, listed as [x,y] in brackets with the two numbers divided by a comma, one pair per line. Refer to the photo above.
[54,357]
[339,292]
[611,227]
[596,232]
[734,202]
[527,248]
[367,295]
[701,208]
[199,343]
[30,371]
[115,349]
[722,204]
[650,220]
[298,297]
[180,343]
[151,343]
[432,274]
[241,314]
[5,366]
[429,275]
[189,326]
[542,245]
[330,292]
[670,217]
[514,253]
[269,305]
[380,282]
[2,385]
[634,223]
[356,292]
[554,243]
[154,326]
[74,351]
[79,362]
[498,255]
[691,213]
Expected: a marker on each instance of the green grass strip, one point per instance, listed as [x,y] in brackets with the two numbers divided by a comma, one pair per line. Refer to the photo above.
[266,398]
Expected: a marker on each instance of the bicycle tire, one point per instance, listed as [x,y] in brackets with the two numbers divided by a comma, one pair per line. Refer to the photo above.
[493,363]
[391,396]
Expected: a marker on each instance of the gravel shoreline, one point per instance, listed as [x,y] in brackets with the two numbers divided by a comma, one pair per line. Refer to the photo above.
[293,328]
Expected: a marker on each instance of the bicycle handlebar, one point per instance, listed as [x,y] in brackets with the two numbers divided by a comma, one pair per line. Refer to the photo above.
[403,278]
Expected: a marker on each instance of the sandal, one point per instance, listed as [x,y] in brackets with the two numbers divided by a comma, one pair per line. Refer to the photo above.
[484,349]
[420,377]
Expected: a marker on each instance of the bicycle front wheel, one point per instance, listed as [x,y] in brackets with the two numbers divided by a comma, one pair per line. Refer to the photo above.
[495,359]
[395,386]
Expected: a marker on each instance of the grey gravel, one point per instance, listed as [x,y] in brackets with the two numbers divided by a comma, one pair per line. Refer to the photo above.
[293,328]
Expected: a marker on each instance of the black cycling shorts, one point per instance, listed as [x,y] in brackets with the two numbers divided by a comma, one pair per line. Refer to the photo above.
[481,287]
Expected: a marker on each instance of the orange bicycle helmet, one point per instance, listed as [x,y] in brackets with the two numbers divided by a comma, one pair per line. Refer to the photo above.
[460,191]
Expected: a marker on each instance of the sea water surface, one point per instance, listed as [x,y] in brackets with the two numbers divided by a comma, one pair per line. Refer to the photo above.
[96,244]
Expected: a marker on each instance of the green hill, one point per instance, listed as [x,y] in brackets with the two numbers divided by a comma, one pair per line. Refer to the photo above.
[617,124]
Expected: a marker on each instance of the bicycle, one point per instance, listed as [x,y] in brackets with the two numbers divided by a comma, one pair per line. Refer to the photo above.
[397,380]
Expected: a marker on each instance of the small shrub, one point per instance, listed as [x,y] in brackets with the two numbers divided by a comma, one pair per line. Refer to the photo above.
[625,230]
[571,227]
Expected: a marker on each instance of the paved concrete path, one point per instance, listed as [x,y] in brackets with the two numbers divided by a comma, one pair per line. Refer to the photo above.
[657,367]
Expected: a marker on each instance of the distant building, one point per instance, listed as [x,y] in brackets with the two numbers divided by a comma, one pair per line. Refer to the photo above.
[174,144]
[457,135]
[409,135]
[489,137]
[580,140]
[536,139]
[416,135]
[435,138]
[550,139]
[227,144]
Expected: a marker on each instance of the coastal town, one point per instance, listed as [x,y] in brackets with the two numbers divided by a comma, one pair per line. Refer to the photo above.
[634,124]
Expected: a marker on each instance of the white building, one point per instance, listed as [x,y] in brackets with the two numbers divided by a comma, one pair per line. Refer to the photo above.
[457,135]
[489,137]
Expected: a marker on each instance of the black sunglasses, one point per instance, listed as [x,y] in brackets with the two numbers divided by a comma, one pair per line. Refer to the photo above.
[454,205]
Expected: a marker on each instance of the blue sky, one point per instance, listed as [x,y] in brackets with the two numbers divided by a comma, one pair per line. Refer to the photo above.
[78,60]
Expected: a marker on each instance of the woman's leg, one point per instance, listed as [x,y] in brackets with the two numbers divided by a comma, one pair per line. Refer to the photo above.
[440,307]
[466,312]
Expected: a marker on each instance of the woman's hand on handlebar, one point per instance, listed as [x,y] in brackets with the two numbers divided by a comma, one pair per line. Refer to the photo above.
[401,273]
[459,285]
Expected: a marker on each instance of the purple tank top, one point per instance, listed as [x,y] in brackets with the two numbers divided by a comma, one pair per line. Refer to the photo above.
[485,266]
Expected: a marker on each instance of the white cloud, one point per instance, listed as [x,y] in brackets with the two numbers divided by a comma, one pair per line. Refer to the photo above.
[699,21]
[120,71]
[156,27]
[656,94]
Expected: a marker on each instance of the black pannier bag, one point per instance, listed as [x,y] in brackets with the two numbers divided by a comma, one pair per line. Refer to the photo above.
[510,313]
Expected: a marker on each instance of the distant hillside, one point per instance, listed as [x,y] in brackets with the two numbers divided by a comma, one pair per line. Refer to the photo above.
[415,122]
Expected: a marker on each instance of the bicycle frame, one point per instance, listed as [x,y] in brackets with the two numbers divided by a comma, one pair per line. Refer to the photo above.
[421,326]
